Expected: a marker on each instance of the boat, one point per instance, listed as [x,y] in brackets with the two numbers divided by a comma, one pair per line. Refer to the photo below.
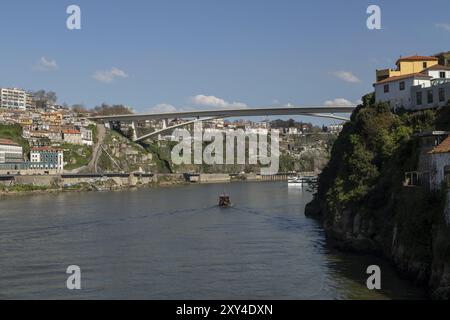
[295,181]
[224,201]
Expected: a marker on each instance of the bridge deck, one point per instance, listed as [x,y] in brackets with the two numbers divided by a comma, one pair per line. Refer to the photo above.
[226,113]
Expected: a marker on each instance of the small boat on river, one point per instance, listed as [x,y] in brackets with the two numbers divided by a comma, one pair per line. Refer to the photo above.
[224,201]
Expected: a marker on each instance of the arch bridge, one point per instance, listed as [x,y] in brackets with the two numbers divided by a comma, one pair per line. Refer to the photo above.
[331,112]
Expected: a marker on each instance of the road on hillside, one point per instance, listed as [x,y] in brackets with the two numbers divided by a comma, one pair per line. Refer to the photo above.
[97,150]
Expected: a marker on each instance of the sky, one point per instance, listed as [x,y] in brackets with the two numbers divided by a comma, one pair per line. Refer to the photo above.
[170,55]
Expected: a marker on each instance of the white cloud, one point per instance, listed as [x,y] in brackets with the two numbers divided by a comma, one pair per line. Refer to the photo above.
[163,108]
[45,64]
[108,76]
[346,76]
[444,26]
[339,102]
[212,101]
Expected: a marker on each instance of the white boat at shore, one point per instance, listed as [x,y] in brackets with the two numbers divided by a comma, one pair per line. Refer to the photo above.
[296,182]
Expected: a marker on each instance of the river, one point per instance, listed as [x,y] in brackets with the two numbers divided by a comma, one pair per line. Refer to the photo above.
[175,243]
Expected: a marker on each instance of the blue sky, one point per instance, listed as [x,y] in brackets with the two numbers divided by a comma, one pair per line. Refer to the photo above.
[250,53]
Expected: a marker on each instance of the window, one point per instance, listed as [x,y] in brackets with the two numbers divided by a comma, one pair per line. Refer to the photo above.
[402,85]
[419,98]
[386,88]
[430,96]
[442,74]
[441,95]
[424,65]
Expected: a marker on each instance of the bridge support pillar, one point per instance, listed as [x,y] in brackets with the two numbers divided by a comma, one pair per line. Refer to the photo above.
[164,126]
[133,126]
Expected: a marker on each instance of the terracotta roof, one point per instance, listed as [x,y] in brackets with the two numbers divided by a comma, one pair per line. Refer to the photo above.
[405,76]
[437,67]
[8,142]
[417,58]
[71,131]
[443,147]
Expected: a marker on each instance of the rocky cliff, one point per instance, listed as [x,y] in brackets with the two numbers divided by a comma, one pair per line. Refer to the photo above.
[364,205]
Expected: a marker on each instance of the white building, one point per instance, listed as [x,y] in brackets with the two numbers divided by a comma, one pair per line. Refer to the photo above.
[440,165]
[47,158]
[335,128]
[14,98]
[72,136]
[427,89]
[10,152]
[438,72]
[397,90]
[86,136]
[293,131]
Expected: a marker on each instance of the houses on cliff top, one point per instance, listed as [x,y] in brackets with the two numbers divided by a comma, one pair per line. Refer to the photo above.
[418,82]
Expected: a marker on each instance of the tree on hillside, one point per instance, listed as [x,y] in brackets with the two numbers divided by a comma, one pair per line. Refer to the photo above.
[106,109]
[44,99]
[79,108]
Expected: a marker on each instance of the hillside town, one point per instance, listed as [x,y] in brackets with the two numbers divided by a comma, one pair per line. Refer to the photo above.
[38,136]
[33,135]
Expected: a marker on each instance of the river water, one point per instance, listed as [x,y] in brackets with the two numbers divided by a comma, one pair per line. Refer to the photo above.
[175,243]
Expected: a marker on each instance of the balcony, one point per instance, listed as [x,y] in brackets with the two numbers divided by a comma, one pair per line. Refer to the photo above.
[440,81]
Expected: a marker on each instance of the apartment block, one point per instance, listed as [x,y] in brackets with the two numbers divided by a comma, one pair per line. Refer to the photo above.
[47,158]
[14,98]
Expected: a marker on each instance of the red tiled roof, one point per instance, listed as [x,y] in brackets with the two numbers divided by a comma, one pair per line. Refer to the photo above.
[437,67]
[405,76]
[417,58]
[71,131]
[443,147]
[8,142]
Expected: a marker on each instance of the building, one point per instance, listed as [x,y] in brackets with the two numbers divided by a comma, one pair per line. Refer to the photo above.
[52,118]
[29,101]
[435,95]
[397,90]
[72,136]
[86,136]
[11,156]
[335,128]
[440,165]
[10,152]
[438,71]
[47,158]
[407,65]
[428,88]
[15,98]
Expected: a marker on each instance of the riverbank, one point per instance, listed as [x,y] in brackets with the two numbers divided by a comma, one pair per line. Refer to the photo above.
[38,184]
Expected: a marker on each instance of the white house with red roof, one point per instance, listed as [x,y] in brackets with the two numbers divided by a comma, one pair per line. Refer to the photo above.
[418,83]
[397,90]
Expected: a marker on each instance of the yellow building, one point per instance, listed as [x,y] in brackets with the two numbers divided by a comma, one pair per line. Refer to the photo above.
[53,118]
[26,122]
[407,65]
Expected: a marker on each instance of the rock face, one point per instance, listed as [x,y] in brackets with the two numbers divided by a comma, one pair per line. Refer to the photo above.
[351,231]
[364,206]
[120,154]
